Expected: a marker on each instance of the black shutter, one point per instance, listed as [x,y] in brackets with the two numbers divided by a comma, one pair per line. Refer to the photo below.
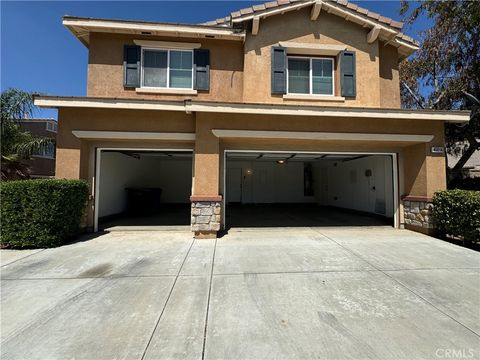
[347,73]
[131,66]
[201,66]
[279,70]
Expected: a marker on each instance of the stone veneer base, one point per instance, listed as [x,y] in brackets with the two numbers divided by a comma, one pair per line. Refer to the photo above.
[417,212]
[205,216]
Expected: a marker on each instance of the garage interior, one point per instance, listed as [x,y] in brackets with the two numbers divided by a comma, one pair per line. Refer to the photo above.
[144,188]
[302,189]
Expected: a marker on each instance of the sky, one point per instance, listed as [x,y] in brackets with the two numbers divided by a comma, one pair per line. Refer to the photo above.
[39,54]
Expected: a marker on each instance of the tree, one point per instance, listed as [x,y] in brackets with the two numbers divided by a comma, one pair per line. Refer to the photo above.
[17,145]
[444,73]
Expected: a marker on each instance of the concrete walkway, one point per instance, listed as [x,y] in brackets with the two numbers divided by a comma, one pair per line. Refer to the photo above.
[303,293]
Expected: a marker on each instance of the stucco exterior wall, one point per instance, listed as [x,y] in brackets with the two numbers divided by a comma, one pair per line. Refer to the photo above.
[327,29]
[242,72]
[69,165]
[389,76]
[420,174]
[105,68]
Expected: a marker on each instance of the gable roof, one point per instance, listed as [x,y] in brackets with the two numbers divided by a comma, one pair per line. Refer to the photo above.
[257,9]
[347,10]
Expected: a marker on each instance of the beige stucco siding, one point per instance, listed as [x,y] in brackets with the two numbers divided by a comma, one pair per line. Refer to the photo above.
[105,68]
[420,172]
[389,76]
[417,157]
[69,163]
[327,29]
[241,72]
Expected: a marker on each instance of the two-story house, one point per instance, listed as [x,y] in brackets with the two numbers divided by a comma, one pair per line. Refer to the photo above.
[42,163]
[289,103]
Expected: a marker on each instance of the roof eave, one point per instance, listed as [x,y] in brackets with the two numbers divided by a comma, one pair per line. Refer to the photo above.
[189,106]
[82,27]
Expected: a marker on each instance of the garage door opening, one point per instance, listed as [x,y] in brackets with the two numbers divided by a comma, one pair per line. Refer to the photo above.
[143,188]
[273,189]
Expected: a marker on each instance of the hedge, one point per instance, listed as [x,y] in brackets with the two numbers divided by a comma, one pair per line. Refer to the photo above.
[41,213]
[457,213]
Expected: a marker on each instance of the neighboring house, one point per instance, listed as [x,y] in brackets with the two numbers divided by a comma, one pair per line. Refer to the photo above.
[42,163]
[290,102]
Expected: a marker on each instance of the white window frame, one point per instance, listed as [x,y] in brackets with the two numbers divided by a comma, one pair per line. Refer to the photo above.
[310,77]
[168,50]
[50,126]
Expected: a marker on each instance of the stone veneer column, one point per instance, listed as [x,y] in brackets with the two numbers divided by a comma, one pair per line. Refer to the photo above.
[417,212]
[206,216]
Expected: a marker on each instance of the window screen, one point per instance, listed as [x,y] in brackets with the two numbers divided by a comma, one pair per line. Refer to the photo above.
[299,76]
[155,68]
[181,69]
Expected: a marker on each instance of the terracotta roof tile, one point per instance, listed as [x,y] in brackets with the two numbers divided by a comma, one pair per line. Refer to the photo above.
[373,15]
[258,7]
[362,10]
[273,4]
[246,11]
[396,24]
[352,6]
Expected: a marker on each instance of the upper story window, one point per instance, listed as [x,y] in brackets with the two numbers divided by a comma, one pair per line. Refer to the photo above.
[311,76]
[50,126]
[162,68]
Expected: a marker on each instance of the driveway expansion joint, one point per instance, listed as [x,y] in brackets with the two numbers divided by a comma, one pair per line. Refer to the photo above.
[27,256]
[166,301]
[208,301]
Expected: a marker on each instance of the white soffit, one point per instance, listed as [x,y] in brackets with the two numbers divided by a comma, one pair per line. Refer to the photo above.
[81,27]
[312,49]
[131,135]
[57,102]
[299,135]
[303,110]
[190,106]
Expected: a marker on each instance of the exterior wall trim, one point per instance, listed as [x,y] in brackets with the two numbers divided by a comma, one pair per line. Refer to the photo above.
[312,49]
[81,27]
[314,97]
[302,110]
[143,90]
[306,135]
[190,106]
[167,44]
[131,135]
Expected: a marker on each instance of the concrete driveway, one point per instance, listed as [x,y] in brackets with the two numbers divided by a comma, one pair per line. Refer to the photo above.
[327,293]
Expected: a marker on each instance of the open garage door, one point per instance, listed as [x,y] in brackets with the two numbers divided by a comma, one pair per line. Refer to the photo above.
[142,188]
[272,189]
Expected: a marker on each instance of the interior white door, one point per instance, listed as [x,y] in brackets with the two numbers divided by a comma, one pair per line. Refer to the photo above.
[234,185]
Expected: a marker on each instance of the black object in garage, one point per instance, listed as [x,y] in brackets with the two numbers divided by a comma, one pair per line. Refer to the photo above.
[143,201]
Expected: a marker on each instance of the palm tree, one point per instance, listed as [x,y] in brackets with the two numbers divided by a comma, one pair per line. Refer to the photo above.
[17,145]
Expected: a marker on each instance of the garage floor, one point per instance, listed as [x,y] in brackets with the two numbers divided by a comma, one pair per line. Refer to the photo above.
[170,215]
[331,293]
[295,215]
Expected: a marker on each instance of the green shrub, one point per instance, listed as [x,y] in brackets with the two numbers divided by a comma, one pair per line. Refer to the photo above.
[457,213]
[41,213]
